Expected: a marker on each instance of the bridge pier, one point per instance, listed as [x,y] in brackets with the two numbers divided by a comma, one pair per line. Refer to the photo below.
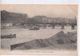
[72,27]
[53,27]
[62,27]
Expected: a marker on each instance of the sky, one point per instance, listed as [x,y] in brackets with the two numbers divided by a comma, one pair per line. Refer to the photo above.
[38,1]
[50,10]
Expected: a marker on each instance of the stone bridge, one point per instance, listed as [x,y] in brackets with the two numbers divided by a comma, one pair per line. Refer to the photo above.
[62,26]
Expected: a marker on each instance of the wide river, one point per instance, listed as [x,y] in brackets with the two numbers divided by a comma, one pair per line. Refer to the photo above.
[24,35]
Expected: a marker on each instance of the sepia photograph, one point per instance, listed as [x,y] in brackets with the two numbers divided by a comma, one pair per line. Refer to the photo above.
[39,29]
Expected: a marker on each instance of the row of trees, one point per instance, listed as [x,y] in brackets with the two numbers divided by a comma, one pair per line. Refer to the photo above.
[52,21]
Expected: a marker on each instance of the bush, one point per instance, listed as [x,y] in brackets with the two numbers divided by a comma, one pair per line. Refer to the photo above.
[60,41]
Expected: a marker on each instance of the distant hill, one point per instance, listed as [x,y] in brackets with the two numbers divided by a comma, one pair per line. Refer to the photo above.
[60,40]
[11,17]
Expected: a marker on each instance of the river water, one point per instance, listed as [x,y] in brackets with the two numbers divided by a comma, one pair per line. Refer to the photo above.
[24,35]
